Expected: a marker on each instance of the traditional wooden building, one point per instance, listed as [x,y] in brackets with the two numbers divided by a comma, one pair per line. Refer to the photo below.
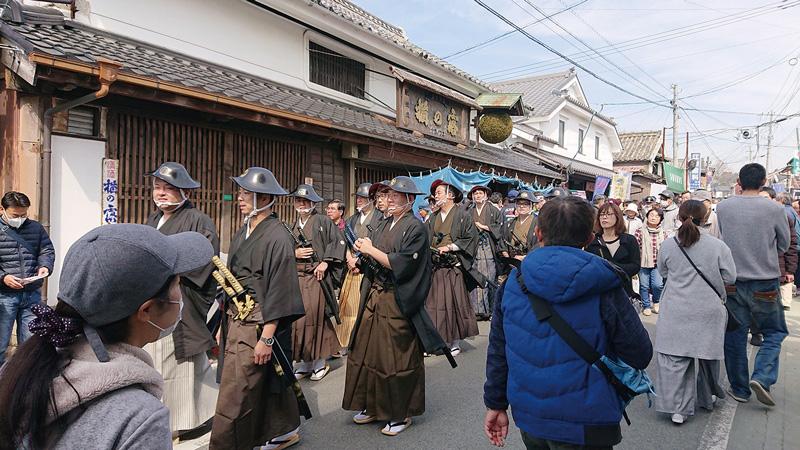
[642,155]
[86,112]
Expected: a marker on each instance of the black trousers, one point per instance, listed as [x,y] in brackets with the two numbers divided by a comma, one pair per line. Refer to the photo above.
[534,443]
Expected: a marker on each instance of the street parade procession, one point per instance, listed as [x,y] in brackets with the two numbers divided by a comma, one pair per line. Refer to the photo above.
[270,224]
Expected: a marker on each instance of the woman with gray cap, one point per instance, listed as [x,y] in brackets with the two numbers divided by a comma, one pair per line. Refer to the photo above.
[83,380]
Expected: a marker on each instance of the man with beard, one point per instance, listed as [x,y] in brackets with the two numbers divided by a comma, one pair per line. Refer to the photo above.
[385,377]
[319,255]
[487,221]
[454,239]
[257,406]
[190,389]
[360,225]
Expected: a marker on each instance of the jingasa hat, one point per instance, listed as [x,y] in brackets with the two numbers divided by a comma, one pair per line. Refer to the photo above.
[307,192]
[174,174]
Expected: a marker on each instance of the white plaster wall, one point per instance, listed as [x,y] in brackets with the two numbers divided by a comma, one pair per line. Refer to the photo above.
[238,35]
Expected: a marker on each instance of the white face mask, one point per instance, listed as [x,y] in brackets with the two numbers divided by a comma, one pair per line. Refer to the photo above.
[664,203]
[164,332]
[304,210]
[16,222]
[161,205]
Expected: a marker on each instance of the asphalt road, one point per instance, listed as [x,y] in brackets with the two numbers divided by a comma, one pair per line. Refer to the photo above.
[454,416]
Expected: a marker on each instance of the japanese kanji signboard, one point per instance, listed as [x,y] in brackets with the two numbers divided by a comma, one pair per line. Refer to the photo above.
[432,114]
[110,189]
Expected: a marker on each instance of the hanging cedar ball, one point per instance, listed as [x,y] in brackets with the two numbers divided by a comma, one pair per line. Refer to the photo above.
[495,127]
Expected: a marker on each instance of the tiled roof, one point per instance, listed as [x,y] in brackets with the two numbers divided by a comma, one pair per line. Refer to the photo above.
[639,146]
[537,92]
[72,41]
[560,162]
[391,33]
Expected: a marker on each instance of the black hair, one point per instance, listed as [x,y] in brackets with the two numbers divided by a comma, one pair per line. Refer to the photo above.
[691,214]
[771,192]
[752,176]
[340,207]
[496,197]
[26,387]
[566,221]
[14,199]
[658,211]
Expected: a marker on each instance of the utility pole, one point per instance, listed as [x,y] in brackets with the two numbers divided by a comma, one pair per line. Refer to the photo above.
[769,140]
[674,123]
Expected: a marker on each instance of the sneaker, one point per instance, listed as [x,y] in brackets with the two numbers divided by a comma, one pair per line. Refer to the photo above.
[647,311]
[395,428]
[738,398]
[320,373]
[363,418]
[678,419]
[762,394]
[655,308]
[757,339]
[276,444]
[455,351]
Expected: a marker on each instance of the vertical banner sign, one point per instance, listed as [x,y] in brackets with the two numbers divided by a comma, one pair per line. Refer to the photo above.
[110,191]
[621,186]
[694,175]
[600,186]
[674,176]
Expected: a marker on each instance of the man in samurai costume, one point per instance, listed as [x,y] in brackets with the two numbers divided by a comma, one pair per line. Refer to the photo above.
[487,221]
[385,379]
[454,241]
[519,234]
[190,387]
[359,225]
[257,405]
[320,255]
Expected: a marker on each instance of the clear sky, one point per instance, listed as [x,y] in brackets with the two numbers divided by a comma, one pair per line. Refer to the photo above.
[725,56]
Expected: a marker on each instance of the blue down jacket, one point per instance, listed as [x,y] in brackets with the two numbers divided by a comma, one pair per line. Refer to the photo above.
[17,260]
[553,393]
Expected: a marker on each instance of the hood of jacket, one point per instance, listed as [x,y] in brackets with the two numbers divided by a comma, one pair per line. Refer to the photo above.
[84,378]
[562,274]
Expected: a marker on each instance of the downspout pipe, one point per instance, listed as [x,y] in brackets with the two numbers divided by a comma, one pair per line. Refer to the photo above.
[108,74]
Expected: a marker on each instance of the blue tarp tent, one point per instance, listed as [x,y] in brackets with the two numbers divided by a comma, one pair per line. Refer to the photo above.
[466,180]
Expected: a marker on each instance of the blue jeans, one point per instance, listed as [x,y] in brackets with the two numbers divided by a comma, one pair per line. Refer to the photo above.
[758,301]
[650,280]
[16,307]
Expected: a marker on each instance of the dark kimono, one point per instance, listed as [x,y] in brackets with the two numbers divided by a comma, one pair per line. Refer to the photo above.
[350,296]
[485,258]
[314,336]
[448,301]
[255,404]
[198,288]
[190,389]
[518,238]
[385,367]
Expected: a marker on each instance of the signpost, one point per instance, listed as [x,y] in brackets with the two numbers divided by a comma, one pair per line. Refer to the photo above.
[674,177]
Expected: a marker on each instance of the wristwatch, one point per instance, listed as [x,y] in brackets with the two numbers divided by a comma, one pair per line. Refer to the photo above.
[268,341]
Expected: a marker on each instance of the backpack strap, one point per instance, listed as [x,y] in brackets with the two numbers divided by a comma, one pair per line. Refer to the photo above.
[10,232]
[545,312]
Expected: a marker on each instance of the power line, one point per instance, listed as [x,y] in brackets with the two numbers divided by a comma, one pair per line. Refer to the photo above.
[673,33]
[635,79]
[509,33]
[565,57]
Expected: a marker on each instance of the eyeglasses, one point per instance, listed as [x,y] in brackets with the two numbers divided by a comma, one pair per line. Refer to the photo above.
[607,215]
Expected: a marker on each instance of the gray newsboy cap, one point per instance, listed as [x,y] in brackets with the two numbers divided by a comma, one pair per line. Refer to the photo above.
[110,271]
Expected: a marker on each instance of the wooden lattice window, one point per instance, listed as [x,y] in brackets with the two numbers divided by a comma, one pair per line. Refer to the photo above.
[336,71]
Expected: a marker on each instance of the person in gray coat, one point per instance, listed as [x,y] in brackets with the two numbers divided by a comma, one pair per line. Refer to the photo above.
[83,380]
[690,334]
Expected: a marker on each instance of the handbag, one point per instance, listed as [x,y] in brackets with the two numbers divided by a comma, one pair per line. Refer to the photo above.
[626,381]
[733,323]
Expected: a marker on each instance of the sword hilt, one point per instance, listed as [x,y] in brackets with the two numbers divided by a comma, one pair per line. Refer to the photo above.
[221,280]
[238,289]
